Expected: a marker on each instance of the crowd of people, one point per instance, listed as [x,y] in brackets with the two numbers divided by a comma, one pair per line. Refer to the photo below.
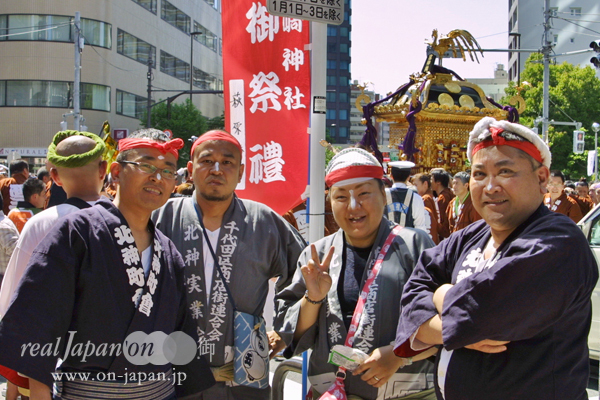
[431,286]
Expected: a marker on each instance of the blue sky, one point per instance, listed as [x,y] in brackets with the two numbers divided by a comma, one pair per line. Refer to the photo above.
[388,37]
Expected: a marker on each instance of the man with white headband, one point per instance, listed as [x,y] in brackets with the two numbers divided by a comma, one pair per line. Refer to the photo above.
[101,281]
[508,297]
[333,273]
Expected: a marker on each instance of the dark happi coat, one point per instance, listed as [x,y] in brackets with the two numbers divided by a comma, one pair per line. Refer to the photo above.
[86,276]
[534,292]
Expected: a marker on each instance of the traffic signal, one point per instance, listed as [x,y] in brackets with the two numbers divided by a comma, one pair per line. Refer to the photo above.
[595,45]
[578,143]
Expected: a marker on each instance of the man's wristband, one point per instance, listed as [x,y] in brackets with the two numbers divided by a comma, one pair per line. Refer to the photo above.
[312,301]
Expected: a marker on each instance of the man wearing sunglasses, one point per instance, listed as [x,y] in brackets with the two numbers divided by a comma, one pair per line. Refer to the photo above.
[99,276]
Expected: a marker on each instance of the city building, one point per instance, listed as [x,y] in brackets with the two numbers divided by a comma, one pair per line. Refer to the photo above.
[338,78]
[493,87]
[573,25]
[37,64]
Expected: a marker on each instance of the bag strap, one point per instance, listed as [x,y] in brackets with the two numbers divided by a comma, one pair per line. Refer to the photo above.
[389,201]
[219,270]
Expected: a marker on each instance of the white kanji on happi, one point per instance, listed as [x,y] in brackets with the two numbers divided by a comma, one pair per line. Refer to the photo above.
[262,25]
[293,99]
[268,166]
[191,233]
[123,235]
[334,332]
[264,92]
[137,295]
[192,256]
[193,284]
[136,276]
[152,282]
[293,58]
[196,309]
[146,304]
[130,255]
[291,24]
[156,264]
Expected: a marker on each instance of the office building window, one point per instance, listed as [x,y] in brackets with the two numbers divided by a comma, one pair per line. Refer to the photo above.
[206,37]
[331,64]
[343,131]
[576,11]
[343,97]
[175,67]
[53,94]
[553,11]
[331,96]
[95,97]
[331,48]
[345,66]
[343,47]
[175,17]
[213,3]
[343,32]
[331,30]
[134,48]
[130,105]
[149,5]
[204,80]
[54,28]
[343,114]
[331,114]
[331,80]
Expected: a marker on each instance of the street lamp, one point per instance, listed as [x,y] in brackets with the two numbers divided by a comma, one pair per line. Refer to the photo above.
[596,128]
[192,34]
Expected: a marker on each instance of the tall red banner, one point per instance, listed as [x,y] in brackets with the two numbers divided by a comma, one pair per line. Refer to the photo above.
[266,73]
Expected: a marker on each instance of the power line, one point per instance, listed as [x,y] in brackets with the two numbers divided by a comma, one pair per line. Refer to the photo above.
[104,59]
[581,26]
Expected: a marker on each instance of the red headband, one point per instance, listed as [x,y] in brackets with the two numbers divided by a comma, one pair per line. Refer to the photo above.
[498,140]
[216,135]
[166,147]
[353,171]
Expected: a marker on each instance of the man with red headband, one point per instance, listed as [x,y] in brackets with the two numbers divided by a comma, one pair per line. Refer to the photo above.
[247,245]
[102,282]
[508,297]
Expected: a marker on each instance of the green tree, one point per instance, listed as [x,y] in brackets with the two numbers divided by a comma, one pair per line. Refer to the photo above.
[216,123]
[575,93]
[186,121]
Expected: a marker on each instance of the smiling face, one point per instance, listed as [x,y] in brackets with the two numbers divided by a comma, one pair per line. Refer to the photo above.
[422,187]
[141,191]
[505,188]
[216,170]
[359,217]
[555,186]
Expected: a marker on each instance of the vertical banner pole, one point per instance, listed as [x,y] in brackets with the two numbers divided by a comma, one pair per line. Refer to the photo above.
[317,131]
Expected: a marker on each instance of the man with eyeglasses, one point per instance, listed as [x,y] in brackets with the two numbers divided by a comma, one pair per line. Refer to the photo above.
[100,275]
[251,242]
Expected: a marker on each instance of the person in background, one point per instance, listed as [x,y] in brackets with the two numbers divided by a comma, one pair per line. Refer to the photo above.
[461,212]
[403,206]
[44,175]
[440,180]
[557,200]
[594,193]
[34,193]
[11,188]
[318,307]
[423,185]
[583,196]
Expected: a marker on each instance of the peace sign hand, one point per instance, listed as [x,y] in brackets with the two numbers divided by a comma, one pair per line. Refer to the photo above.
[316,274]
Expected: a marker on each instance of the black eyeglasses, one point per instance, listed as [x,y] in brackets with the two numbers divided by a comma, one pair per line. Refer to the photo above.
[151,169]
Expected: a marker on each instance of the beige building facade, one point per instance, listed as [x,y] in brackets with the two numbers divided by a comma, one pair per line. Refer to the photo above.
[37,63]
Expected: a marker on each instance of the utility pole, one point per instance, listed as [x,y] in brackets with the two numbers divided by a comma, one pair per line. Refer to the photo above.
[76,95]
[546,50]
[149,90]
